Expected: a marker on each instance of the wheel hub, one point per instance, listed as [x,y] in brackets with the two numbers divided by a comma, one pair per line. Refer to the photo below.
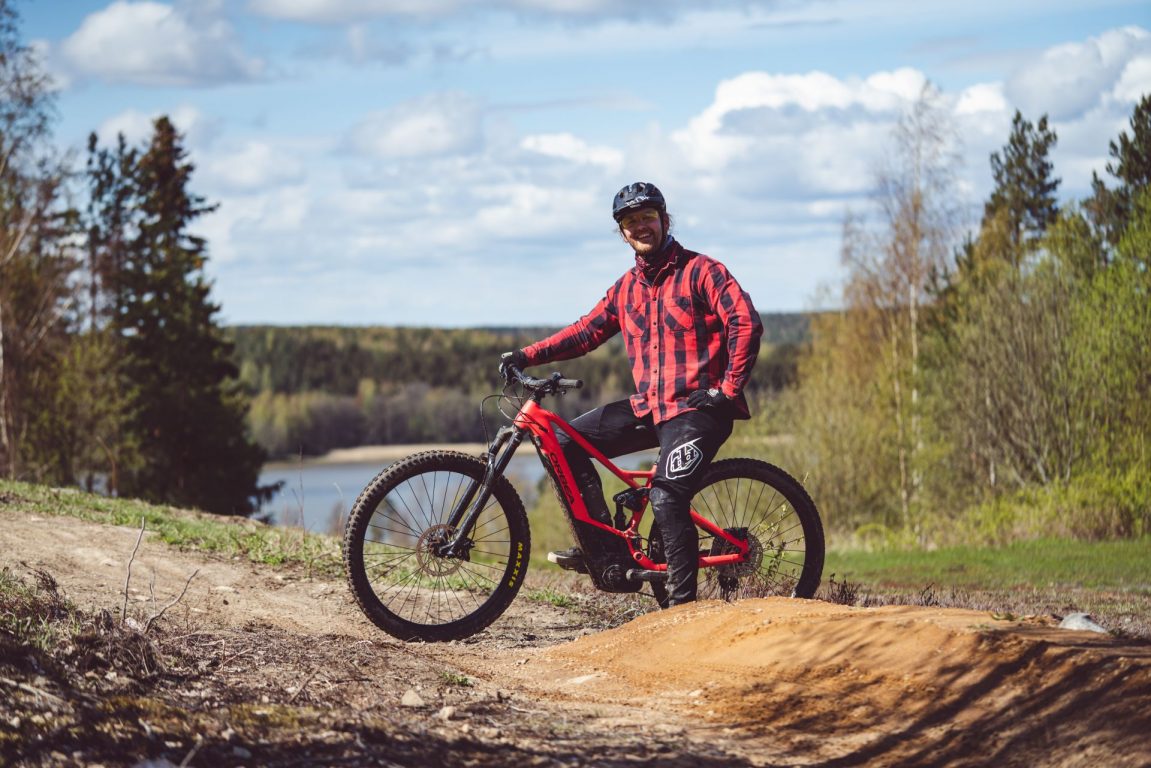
[751,562]
[427,552]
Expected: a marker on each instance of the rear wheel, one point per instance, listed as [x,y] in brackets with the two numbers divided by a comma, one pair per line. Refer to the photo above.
[761,504]
[392,556]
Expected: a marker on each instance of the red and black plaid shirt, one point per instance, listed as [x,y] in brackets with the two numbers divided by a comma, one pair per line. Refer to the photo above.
[691,327]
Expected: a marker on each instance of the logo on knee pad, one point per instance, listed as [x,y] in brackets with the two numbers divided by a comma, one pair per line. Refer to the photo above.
[683,459]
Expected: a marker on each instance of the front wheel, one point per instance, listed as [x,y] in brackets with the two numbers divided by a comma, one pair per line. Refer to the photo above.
[770,510]
[393,556]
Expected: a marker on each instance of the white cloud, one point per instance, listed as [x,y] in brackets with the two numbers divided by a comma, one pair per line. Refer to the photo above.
[982,97]
[810,132]
[437,124]
[443,189]
[242,228]
[256,165]
[336,11]
[1135,82]
[340,11]
[529,210]
[137,126]
[149,43]
[574,149]
[1071,79]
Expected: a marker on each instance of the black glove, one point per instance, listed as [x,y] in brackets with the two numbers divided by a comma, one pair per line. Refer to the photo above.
[706,398]
[507,359]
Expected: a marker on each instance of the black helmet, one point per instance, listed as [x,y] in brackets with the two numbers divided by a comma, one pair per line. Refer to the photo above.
[635,196]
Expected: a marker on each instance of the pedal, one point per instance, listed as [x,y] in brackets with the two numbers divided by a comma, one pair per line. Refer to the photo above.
[568,562]
[640,574]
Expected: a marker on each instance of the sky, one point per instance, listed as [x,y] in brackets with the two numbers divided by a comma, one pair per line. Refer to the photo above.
[452,162]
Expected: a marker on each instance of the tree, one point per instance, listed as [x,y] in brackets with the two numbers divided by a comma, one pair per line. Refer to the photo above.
[1111,209]
[1043,362]
[1024,190]
[860,415]
[36,265]
[97,389]
[890,274]
[188,407]
[1009,406]
[984,330]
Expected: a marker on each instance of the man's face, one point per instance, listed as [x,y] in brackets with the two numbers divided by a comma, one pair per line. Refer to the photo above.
[643,230]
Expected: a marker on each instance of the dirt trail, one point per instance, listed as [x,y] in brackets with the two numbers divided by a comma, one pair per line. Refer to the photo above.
[762,682]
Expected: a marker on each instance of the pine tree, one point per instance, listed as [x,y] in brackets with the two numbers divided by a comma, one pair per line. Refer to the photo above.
[1111,209]
[189,407]
[1024,188]
[99,398]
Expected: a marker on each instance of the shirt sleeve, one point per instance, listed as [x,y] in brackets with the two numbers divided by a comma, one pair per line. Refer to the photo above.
[582,336]
[742,324]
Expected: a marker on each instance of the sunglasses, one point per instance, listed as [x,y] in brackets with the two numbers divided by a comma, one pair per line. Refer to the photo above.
[644,216]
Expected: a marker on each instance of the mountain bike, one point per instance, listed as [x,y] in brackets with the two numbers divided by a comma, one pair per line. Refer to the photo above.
[436,546]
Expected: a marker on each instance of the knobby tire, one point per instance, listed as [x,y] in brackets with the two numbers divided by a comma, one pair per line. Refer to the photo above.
[773,510]
[402,585]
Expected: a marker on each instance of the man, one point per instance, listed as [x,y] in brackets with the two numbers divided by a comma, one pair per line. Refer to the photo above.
[692,336]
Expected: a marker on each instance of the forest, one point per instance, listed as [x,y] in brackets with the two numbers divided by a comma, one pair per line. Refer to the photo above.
[314,389]
[115,374]
[987,385]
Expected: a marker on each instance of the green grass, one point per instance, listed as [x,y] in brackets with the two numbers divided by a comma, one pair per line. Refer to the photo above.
[1123,565]
[232,537]
[455,679]
[1105,565]
[551,596]
[33,616]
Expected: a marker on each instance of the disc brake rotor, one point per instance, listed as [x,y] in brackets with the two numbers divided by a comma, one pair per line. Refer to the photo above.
[431,563]
[751,562]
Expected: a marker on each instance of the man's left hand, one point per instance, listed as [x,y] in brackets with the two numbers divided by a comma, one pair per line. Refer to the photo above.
[706,398]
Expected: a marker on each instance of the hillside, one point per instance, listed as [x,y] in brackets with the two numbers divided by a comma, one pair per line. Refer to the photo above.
[272,666]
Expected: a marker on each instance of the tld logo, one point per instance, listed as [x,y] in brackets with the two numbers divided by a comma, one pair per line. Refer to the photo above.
[683,459]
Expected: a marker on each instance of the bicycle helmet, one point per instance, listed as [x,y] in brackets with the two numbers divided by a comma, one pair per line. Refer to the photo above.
[641,194]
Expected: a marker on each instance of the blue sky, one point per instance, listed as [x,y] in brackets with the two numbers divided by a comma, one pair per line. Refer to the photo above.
[452,162]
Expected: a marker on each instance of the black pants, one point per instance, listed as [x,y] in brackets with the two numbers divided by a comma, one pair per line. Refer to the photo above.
[687,444]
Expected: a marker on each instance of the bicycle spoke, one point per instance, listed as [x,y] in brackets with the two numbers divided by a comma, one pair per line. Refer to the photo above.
[756,502]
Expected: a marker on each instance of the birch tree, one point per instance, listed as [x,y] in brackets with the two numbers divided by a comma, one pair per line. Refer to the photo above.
[891,266]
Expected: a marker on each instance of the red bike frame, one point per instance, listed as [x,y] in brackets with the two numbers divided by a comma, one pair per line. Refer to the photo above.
[542,423]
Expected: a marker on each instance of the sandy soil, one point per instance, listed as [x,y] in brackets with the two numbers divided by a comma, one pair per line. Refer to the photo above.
[762,682]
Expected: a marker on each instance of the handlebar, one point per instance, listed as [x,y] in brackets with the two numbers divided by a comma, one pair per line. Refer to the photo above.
[554,383]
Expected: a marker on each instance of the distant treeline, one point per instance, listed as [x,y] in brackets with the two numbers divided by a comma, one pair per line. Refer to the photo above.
[317,388]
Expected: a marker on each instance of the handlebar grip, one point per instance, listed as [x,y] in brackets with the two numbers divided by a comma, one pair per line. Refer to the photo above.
[555,380]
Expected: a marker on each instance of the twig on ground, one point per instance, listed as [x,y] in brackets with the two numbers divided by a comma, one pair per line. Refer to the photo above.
[128,578]
[156,616]
[195,748]
[229,659]
[527,711]
[303,685]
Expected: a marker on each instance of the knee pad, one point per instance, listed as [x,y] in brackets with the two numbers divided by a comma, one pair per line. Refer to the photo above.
[662,504]
[659,496]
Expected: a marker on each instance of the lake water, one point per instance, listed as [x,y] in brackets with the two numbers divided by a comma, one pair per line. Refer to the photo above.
[318,495]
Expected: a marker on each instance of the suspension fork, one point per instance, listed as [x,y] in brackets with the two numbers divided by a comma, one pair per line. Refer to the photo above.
[473,500]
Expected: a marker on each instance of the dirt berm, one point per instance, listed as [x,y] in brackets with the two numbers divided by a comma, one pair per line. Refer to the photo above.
[772,682]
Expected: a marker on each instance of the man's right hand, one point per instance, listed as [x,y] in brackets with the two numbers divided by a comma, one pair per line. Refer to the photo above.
[516,358]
